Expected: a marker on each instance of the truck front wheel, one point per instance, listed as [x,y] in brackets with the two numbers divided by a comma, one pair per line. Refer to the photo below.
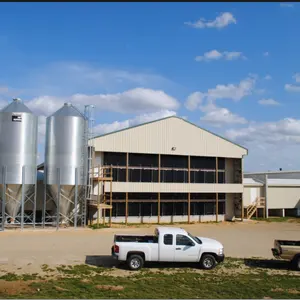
[207,262]
[135,262]
[296,263]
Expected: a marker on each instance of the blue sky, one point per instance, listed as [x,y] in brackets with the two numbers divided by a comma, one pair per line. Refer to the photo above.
[231,68]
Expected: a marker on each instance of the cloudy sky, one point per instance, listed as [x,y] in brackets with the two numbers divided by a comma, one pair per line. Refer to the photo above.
[231,68]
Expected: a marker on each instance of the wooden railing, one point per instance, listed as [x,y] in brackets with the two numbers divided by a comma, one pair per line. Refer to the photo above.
[260,202]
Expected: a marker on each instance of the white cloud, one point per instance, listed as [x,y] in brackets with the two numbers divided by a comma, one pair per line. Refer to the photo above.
[292,88]
[221,21]
[268,102]
[194,100]
[216,55]
[268,77]
[67,78]
[297,77]
[137,100]
[233,91]
[286,130]
[140,119]
[219,116]
[266,53]
[287,4]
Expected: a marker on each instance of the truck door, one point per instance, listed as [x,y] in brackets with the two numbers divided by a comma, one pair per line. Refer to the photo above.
[166,247]
[186,250]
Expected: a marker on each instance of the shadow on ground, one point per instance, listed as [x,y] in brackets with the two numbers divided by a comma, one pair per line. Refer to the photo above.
[108,261]
[267,264]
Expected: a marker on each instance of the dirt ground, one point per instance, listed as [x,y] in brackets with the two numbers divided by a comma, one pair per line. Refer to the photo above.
[28,251]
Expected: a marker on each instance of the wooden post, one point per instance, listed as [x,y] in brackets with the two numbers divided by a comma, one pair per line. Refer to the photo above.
[126,199]
[243,188]
[98,198]
[110,198]
[158,195]
[104,202]
[217,194]
[189,194]
[217,207]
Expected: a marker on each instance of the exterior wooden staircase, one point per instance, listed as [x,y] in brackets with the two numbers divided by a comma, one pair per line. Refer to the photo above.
[260,202]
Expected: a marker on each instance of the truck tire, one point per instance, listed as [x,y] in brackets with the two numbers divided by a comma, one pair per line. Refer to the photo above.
[207,262]
[135,262]
[296,263]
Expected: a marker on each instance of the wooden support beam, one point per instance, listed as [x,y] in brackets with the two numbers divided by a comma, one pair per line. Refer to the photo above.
[127,180]
[126,209]
[127,163]
[217,207]
[110,198]
[189,194]
[98,199]
[104,201]
[217,194]
[158,196]
[242,195]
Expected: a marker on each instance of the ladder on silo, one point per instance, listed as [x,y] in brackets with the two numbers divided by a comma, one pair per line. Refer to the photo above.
[88,112]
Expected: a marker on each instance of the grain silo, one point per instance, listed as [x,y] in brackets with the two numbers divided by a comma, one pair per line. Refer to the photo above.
[65,162]
[18,161]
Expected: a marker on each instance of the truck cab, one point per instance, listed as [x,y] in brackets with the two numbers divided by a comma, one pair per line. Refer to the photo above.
[168,244]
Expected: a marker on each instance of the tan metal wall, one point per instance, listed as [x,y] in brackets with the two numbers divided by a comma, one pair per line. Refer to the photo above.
[145,187]
[259,191]
[283,197]
[161,136]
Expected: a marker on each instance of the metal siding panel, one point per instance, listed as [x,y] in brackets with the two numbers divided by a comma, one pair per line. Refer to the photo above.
[138,187]
[161,136]
[283,197]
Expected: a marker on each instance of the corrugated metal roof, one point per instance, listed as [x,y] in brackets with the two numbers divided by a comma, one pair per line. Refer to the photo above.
[283,181]
[251,181]
[17,106]
[158,120]
[68,110]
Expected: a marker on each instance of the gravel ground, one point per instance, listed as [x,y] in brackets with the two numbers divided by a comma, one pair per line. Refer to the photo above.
[27,251]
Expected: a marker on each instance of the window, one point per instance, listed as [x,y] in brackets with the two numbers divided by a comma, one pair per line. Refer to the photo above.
[114,158]
[145,160]
[221,163]
[210,208]
[143,175]
[221,208]
[209,177]
[174,161]
[221,177]
[168,239]
[198,162]
[118,209]
[182,240]
[119,174]
[134,209]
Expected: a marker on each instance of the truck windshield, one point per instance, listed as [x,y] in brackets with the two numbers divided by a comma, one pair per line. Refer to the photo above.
[198,241]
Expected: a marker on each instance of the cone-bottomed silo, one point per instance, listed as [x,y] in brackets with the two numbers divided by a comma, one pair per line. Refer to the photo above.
[18,160]
[65,161]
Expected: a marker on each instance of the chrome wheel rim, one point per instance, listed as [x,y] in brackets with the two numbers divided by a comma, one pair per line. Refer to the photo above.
[135,263]
[208,262]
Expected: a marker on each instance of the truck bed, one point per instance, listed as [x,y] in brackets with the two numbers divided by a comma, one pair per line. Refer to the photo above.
[136,238]
[288,243]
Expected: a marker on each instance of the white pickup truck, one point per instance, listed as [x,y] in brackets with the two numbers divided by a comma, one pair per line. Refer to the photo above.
[168,244]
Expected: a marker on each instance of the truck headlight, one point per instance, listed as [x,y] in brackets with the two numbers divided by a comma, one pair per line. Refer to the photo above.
[221,251]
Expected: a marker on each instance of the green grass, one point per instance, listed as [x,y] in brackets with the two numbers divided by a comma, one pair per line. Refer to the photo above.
[98,226]
[278,219]
[231,280]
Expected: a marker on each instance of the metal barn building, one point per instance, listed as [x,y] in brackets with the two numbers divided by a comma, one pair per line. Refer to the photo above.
[280,191]
[168,170]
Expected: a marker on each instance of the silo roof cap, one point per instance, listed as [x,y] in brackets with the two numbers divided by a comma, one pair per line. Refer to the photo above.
[16,106]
